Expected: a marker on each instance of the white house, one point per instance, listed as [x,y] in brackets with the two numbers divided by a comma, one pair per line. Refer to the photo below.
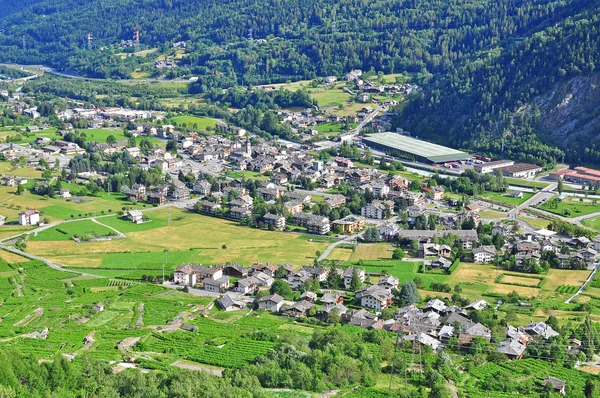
[484,254]
[271,303]
[29,217]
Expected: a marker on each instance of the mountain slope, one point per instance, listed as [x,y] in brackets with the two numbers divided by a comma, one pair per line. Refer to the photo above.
[305,38]
[514,94]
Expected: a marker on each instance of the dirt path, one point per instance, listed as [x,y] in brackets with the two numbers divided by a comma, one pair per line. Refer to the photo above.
[213,370]
[138,323]
[19,288]
[120,234]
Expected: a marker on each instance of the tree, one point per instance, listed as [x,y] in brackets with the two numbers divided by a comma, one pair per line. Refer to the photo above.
[111,140]
[334,317]
[398,254]
[588,340]
[281,288]
[334,279]
[20,189]
[409,294]
[560,186]
[355,282]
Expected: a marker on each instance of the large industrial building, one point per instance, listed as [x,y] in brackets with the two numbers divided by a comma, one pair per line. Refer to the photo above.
[412,149]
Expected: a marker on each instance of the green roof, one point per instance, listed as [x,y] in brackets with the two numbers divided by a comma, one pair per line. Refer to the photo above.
[432,152]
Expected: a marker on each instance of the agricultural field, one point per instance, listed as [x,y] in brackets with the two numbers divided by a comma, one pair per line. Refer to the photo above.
[571,207]
[68,231]
[362,252]
[193,122]
[192,237]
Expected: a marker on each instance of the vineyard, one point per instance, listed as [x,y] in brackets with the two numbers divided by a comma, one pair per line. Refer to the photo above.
[567,289]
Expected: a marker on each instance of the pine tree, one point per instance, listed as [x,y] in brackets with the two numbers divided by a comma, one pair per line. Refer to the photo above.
[355,282]
[409,294]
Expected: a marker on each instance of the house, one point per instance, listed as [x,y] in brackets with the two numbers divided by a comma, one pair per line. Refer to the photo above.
[99,307]
[294,206]
[435,193]
[433,249]
[513,349]
[275,220]
[415,211]
[363,319]
[440,263]
[181,194]
[540,329]
[335,201]
[446,332]
[29,217]
[435,305]
[424,339]
[309,296]
[235,271]
[331,298]
[350,224]
[65,193]
[9,181]
[272,303]
[156,198]
[478,305]
[245,286]
[2,220]
[238,213]
[377,298]
[202,188]
[323,314]
[319,273]
[557,384]
[262,279]
[184,276]
[135,152]
[389,282]
[347,275]
[209,207]
[135,216]
[478,330]
[299,309]
[216,285]
[484,254]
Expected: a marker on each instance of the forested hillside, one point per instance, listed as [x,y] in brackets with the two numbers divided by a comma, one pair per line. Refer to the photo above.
[292,38]
[540,91]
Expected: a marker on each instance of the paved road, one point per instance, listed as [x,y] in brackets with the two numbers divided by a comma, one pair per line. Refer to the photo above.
[543,195]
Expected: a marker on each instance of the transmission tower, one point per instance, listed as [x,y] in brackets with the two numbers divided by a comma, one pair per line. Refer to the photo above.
[136,39]
[89,41]
[250,38]
[24,41]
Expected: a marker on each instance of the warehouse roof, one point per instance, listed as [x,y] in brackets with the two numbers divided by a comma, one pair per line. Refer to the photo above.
[432,152]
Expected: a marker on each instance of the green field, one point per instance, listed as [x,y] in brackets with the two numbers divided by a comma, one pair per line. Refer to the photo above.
[247,174]
[507,199]
[570,207]
[100,135]
[83,228]
[592,223]
[200,238]
[191,121]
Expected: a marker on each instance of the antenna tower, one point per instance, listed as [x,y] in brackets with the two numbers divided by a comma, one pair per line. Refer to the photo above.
[136,38]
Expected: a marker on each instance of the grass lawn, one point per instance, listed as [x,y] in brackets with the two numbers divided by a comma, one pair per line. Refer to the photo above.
[592,223]
[196,238]
[491,214]
[526,183]
[7,168]
[538,223]
[69,230]
[247,174]
[570,207]
[190,121]
[506,198]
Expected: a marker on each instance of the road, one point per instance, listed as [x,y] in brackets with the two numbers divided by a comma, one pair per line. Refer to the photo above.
[543,195]
[331,144]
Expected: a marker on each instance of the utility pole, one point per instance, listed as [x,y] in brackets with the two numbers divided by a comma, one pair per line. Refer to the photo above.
[136,38]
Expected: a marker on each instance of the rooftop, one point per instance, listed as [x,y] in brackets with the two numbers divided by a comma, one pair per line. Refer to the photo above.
[432,152]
